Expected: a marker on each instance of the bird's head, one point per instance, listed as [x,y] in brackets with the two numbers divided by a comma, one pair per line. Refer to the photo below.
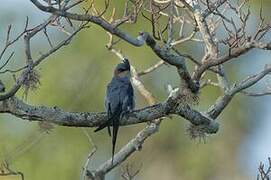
[123,69]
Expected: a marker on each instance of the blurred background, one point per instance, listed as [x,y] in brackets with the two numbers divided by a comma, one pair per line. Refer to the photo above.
[75,79]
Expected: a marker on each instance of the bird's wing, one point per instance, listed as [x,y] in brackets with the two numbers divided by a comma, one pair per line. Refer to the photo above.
[111,104]
[119,96]
[114,100]
[127,97]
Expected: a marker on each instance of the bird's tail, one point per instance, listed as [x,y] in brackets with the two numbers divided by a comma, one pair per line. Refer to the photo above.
[115,124]
[114,121]
[104,125]
[108,123]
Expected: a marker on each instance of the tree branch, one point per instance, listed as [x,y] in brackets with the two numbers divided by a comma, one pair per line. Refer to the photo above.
[225,99]
[94,19]
[163,53]
[58,116]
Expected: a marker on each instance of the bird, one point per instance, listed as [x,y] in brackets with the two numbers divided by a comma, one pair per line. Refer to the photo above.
[119,100]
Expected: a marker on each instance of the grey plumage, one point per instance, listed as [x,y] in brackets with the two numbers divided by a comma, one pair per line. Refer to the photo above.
[119,100]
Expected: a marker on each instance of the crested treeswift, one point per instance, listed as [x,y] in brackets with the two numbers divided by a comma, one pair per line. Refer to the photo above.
[119,100]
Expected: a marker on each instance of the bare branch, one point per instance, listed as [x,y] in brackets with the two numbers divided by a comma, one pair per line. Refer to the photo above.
[134,145]
[257,94]
[173,59]
[264,174]
[213,7]
[225,99]
[233,54]
[152,68]
[7,171]
[94,19]
[58,116]
[128,174]
[29,68]
[85,173]
[251,80]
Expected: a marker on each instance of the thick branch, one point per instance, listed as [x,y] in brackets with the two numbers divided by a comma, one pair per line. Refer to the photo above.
[58,116]
[173,59]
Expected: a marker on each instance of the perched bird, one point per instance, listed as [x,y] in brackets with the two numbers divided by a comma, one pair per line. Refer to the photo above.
[119,100]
